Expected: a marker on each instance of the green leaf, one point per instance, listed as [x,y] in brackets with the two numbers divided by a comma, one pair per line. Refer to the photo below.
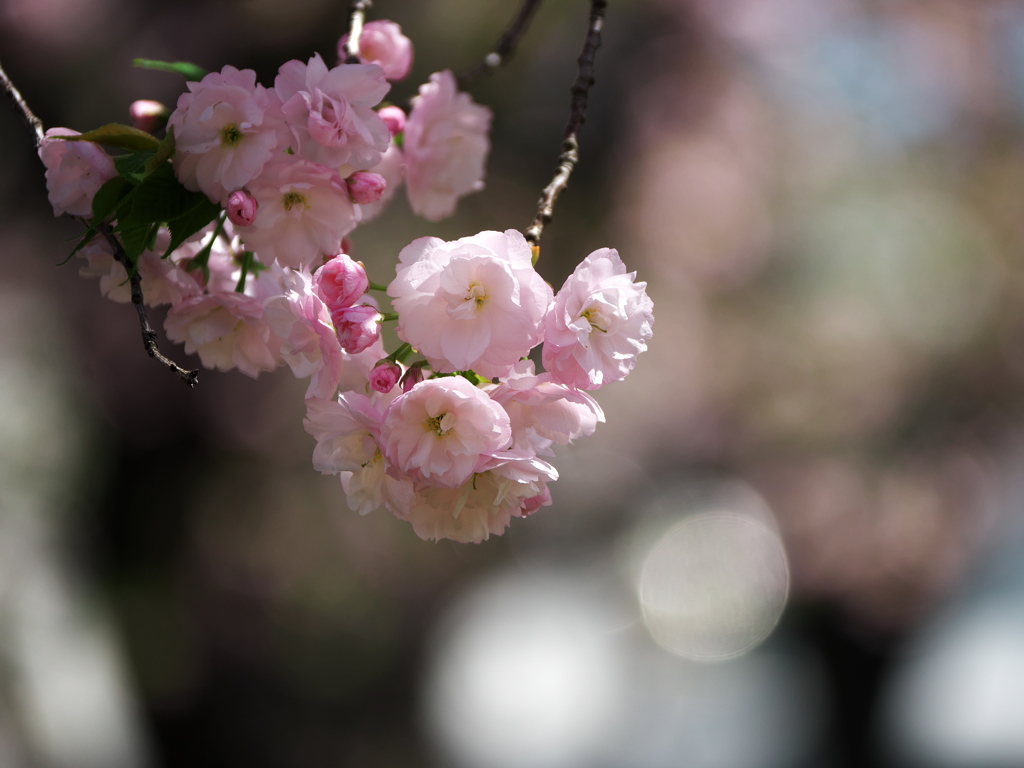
[132,167]
[184,68]
[161,197]
[108,199]
[164,153]
[117,135]
[136,237]
[191,221]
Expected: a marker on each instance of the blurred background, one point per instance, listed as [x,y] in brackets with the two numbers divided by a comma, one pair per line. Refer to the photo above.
[797,541]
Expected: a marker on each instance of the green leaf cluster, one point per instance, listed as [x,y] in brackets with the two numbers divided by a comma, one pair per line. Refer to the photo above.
[145,194]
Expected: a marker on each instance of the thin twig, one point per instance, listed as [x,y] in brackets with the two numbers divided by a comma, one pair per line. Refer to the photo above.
[33,122]
[577,116]
[148,334]
[356,17]
[191,378]
[506,47]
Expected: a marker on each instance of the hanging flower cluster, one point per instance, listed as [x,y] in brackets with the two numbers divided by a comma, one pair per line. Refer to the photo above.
[237,220]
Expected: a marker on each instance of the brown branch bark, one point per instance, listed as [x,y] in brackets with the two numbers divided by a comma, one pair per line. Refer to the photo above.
[356,19]
[577,116]
[505,48]
[33,122]
[191,378]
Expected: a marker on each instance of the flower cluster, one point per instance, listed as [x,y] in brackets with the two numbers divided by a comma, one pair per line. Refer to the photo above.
[454,430]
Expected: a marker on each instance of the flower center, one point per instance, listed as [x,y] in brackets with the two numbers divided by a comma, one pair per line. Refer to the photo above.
[435,425]
[476,293]
[231,135]
[589,314]
[292,199]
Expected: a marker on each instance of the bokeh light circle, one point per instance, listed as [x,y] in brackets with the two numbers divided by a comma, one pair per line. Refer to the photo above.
[714,586]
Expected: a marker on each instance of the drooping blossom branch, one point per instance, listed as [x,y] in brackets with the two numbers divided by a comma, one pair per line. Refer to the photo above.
[356,18]
[577,116]
[505,48]
[33,122]
[149,338]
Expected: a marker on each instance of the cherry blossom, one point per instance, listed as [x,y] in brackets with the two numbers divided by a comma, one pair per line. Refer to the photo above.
[347,431]
[304,211]
[475,303]
[446,144]
[340,282]
[383,43]
[329,112]
[309,343]
[221,143]
[227,330]
[443,430]
[601,320]
[75,170]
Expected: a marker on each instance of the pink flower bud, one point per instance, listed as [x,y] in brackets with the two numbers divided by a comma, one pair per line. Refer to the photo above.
[383,43]
[241,208]
[357,327]
[394,119]
[412,377]
[384,376]
[340,282]
[365,187]
[532,504]
[147,115]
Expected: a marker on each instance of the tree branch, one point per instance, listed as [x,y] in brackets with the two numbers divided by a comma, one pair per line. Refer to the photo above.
[577,116]
[191,378]
[356,17]
[506,47]
[148,334]
[33,122]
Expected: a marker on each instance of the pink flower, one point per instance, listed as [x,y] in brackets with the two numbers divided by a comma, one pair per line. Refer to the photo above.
[443,430]
[483,505]
[221,142]
[475,303]
[383,43]
[358,327]
[162,280]
[347,431]
[227,330]
[543,412]
[365,188]
[393,117]
[355,376]
[392,168]
[384,376]
[412,377]
[601,320]
[304,211]
[445,147]
[74,171]
[329,112]
[241,207]
[341,282]
[309,344]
